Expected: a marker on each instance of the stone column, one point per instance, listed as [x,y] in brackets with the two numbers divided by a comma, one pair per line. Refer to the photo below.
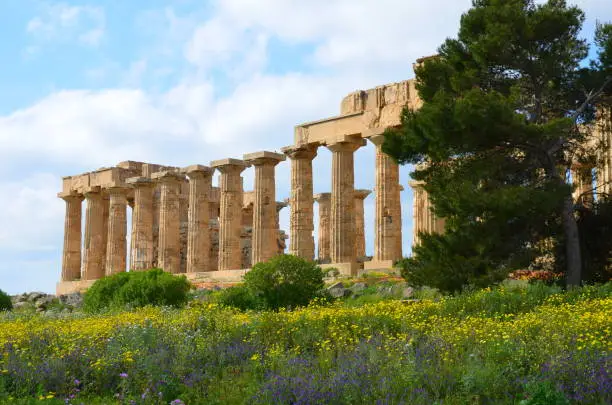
[418,211]
[71,258]
[360,249]
[342,219]
[141,257]
[105,216]
[301,222]
[324,201]
[198,236]
[230,218]
[93,264]
[265,231]
[424,219]
[387,220]
[169,254]
[116,247]
[282,236]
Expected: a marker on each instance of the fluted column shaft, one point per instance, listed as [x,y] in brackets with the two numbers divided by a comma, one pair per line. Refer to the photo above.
[342,242]
[360,249]
[116,247]
[71,258]
[388,222]
[301,221]
[230,218]
[141,257]
[169,255]
[93,267]
[324,201]
[198,236]
[265,229]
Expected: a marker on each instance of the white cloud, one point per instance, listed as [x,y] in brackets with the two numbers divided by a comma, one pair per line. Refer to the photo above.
[60,21]
[31,214]
[369,34]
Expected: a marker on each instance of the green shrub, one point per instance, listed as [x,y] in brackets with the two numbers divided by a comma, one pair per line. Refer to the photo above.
[5,302]
[445,263]
[544,394]
[285,281]
[137,289]
[240,297]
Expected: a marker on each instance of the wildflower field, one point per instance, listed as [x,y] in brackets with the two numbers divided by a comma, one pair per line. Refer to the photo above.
[497,346]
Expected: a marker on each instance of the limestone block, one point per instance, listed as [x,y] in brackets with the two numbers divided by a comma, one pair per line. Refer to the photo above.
[353,103]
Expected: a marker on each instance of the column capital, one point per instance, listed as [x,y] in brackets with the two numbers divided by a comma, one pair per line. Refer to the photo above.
[70,196]
[167,176]
[139,182]
[378,139]
[322,197]
[91,190]
[228,165]
[198,171]
[281,204]
[263,158]
[308,151]
[362,194]
[416,183]
[346,144]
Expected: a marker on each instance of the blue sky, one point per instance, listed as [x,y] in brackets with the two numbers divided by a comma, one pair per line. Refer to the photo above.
[86,84]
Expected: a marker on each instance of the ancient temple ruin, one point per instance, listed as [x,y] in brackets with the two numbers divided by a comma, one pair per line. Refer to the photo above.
[182,224]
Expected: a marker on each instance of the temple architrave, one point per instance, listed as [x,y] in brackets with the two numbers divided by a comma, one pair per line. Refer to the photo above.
[184,225]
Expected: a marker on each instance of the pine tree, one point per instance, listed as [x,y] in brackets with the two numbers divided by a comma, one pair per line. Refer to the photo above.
[506,108]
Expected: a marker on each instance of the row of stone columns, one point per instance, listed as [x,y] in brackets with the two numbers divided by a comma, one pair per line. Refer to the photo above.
[105,241]
[341,238]
[324,232]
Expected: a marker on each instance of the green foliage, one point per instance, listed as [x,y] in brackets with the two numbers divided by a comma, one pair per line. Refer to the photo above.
[5,302]
[241,297]
[136,289]
[449,264]
[490,346]
[544,394]
[492,141]
[595,226]
[284,281]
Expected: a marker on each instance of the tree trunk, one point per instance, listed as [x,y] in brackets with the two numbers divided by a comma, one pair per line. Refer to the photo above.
[573,259]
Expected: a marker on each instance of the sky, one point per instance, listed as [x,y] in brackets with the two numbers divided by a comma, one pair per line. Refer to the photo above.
[88,84]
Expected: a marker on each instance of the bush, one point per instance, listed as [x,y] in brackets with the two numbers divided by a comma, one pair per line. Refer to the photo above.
[446,263]
[284,281]
[137,289]
[5,302]
[240,297]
